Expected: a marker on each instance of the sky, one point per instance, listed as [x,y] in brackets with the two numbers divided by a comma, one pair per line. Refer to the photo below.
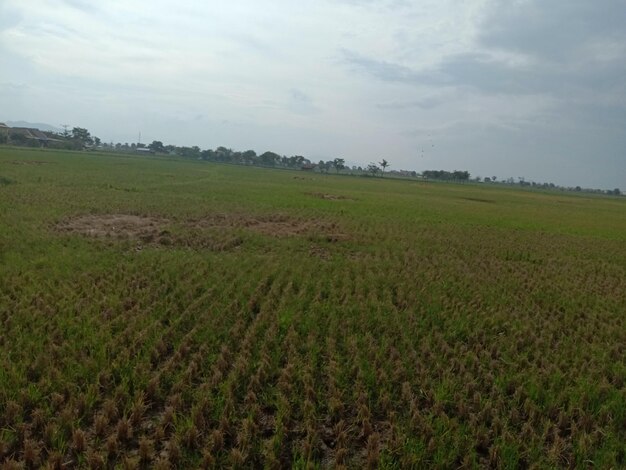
[516,88]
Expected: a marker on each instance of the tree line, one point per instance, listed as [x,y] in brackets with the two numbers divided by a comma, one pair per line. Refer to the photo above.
[81,139]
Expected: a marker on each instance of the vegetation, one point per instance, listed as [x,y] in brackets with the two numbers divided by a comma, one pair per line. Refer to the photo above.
[81,139]
[383,165]
[158,312]
[460,176]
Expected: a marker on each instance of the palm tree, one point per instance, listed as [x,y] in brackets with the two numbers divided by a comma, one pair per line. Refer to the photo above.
[384,164]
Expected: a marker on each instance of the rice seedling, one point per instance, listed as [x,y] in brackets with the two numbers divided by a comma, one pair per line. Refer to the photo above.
[232,320]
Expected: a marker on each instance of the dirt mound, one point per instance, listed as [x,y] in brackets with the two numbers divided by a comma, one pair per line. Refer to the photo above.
[120,226]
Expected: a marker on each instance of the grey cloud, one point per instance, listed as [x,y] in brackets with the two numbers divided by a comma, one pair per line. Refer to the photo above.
[83,5]
[564,40]
[14,86]
[472,70]
[386,4]
[300,96]
[55,30]
[555,30]
[255,43]
[483,72]
[600,117]
[9,17]
[300,102]
[424,103]
[388,71]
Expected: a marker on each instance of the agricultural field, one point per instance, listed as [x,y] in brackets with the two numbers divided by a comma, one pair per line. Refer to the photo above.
[159,313]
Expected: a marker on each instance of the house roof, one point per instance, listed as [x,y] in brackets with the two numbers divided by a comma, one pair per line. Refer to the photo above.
[38,134]
[32,133]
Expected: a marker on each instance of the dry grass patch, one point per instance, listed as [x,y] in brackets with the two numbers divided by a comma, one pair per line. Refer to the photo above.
[217,231]
[274,225]
[117,226]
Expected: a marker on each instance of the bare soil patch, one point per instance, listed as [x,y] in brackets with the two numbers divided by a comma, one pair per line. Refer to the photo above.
[330,197]
[218,232]
[118,226]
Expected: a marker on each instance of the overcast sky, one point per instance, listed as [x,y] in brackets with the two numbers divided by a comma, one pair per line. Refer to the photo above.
[530,88]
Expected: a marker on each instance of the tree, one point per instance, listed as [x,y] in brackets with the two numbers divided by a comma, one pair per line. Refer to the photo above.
[223,154]
[460,175]
[372,168]
[249,157]
[324,166]
[296,161]
[339,164]
[236,157]
[21,140]
[189,152]
[384,164]
[157,146]
[269,158]
[82,136]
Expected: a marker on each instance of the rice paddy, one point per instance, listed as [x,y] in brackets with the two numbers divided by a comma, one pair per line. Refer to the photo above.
[160,313]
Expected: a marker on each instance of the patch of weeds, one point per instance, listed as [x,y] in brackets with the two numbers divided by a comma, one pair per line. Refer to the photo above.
[4,181]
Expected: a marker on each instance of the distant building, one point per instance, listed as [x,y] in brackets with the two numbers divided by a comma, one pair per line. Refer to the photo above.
[4,129]
[28,133]
[308,167]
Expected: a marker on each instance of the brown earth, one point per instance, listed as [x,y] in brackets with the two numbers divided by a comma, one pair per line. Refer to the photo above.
[120,226]
[153,229]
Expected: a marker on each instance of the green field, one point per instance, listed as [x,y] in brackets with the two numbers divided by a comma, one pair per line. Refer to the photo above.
[164,313]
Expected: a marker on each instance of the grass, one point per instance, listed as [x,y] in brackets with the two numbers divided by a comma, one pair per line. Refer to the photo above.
[261,323]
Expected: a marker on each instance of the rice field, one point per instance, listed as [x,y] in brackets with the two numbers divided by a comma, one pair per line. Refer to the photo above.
[159,313]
